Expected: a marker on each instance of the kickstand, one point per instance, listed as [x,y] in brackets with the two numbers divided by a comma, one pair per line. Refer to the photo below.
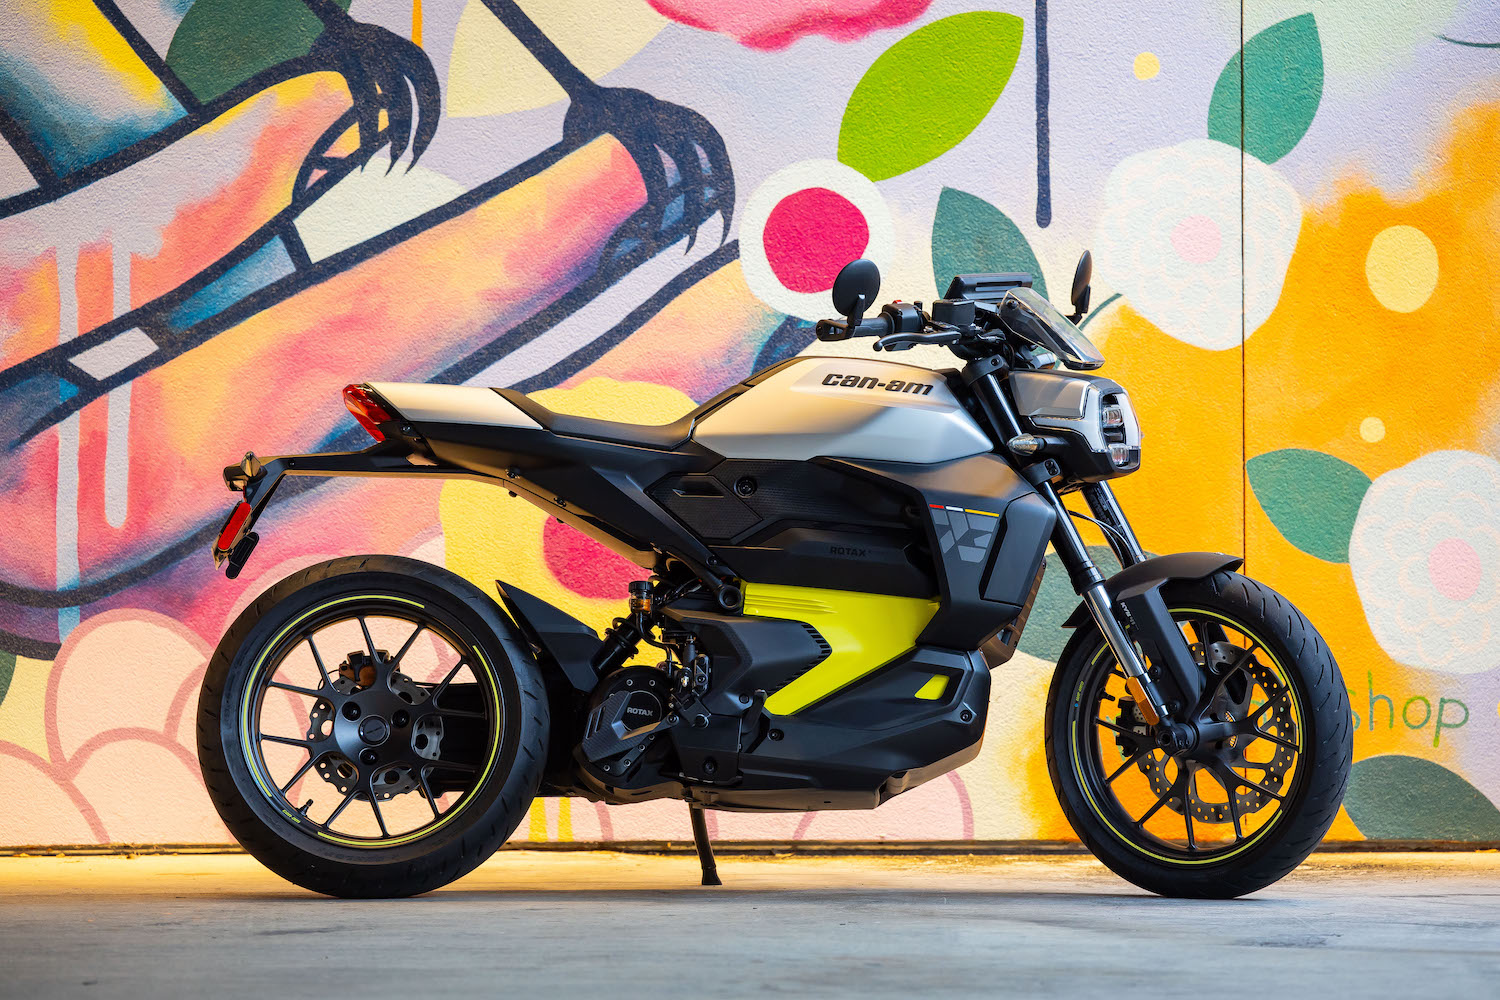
[705,849]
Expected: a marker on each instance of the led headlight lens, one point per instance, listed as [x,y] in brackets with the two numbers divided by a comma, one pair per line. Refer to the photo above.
[1112,416]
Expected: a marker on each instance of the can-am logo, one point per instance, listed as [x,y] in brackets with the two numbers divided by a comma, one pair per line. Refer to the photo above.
[871,382]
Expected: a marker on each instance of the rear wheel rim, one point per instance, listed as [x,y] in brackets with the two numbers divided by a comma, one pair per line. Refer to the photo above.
[368,761]
[1228,796]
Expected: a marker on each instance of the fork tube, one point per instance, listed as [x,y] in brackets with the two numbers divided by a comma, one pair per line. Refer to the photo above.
[986,386]
[1089,584]
[1104,507]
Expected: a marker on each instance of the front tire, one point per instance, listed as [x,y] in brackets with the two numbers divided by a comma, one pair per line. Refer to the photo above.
[1244,811]
[398,701]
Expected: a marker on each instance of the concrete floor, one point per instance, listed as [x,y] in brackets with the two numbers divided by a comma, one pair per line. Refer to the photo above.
[556,925]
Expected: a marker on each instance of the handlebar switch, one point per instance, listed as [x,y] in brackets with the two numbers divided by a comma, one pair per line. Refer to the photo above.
[904,317]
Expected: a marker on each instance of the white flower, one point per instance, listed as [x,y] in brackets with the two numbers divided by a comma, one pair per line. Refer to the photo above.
[1426,559]
[1169,239]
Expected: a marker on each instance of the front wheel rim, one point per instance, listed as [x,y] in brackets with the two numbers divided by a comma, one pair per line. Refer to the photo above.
[375,724]
[1222,803]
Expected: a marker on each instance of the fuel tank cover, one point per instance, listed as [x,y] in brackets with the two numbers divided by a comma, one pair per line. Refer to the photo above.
[845,408]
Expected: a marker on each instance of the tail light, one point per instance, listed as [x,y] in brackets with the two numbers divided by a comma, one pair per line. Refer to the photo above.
[369,413]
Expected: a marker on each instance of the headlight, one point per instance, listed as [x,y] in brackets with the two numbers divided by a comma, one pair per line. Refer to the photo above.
[1093,411]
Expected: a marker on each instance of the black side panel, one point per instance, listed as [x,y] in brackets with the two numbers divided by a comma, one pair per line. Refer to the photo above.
[1002,647]
[566,640]
[872,560]
[804,524]
[751,653]
[967,513]
[595,486]
[856,749]
[1025,532]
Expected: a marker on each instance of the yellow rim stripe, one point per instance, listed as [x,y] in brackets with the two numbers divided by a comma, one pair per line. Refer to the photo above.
[1089,797]
[252,758]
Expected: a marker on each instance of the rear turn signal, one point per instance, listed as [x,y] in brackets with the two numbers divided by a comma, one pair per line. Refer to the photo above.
[369,413]
[230,534]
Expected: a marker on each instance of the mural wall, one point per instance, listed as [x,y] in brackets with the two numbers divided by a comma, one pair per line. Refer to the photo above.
[214,214]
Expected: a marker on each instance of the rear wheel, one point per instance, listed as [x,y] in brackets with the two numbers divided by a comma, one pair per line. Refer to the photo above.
[371,727]
[1233,814]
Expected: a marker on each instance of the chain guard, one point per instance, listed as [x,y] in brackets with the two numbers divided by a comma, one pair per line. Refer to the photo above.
[1226,708]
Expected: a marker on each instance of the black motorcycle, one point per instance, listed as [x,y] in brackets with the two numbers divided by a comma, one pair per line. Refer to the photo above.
[838,553]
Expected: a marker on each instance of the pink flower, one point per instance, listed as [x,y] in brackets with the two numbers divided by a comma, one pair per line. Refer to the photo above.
[117,762]
[775,24]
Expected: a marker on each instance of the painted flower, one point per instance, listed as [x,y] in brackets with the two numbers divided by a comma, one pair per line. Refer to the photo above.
[113,760]
[1169,239]
[775,24]
[1426,559]
[803,224]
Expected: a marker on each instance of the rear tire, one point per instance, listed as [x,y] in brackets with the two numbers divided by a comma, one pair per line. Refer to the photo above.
[1311,794]
[512,739]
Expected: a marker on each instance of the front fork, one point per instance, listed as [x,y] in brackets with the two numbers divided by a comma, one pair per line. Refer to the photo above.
[1136,626]
[1143,629]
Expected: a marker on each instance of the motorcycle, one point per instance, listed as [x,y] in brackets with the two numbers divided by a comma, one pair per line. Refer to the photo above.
[841,552]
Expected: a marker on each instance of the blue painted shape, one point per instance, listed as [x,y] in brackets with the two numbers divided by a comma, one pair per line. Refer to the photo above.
[255,272]
[68,100]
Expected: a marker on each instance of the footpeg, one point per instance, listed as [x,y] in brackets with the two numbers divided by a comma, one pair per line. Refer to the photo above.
[751,719]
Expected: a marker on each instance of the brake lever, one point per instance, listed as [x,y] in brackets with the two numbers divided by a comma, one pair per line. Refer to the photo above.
[906,341]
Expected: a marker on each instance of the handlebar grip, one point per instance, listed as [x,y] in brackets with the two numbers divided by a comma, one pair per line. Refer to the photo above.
[875,326]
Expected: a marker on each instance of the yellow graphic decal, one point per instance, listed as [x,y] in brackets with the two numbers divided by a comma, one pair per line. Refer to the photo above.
[866,631]
[934,688]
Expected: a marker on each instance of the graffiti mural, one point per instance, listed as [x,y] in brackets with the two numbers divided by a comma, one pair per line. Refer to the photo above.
[214,214]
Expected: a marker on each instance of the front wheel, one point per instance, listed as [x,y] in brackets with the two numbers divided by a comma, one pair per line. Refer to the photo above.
[372,726]
[1229,816]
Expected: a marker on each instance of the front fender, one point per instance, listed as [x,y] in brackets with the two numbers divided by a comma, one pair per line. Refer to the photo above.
[1133,581]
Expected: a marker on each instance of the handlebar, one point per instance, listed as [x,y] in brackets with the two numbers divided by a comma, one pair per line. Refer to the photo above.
[875,326]
[899,326]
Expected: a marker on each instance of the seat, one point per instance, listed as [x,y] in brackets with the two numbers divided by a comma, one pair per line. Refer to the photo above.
[659,437]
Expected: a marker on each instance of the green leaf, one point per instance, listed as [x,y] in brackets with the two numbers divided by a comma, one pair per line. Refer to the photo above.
[1283,86]
[7,672]
[972,236]
[1395,797]
[1312,498]
[1044,636]
[222,43]
[926,93]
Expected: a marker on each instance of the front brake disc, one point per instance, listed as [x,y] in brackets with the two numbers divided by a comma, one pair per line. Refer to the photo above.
[1226,708]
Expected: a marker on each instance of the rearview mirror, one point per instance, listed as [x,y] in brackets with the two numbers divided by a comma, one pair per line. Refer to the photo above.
[855,289]
[1082,277]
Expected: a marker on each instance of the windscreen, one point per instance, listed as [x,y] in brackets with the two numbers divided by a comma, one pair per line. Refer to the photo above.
[1028,314]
